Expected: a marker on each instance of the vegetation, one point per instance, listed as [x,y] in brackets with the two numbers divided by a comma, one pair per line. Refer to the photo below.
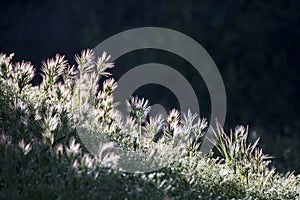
[253,43]
[43,157]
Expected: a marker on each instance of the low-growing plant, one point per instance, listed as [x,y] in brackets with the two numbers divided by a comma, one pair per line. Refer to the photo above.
[48,148]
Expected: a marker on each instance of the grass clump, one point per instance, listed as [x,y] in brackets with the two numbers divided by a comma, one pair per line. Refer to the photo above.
[43,157]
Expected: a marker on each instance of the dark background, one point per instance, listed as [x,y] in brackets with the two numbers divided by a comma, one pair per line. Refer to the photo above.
[254,43]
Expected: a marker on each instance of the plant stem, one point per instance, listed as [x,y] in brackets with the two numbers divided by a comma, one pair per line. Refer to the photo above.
[140,132]
[191,153]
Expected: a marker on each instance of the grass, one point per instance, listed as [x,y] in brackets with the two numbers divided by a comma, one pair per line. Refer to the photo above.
[43,155]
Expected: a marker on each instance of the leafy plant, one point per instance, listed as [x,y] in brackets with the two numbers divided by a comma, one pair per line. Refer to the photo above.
[42,155]
[138,109]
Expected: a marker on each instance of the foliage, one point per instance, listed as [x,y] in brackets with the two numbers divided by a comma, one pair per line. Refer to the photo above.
[42,157]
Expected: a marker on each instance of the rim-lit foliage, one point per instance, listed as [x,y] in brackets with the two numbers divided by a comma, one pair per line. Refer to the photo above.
[41,155]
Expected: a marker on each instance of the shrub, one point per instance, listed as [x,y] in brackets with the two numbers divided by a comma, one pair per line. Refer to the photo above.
[42,155]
